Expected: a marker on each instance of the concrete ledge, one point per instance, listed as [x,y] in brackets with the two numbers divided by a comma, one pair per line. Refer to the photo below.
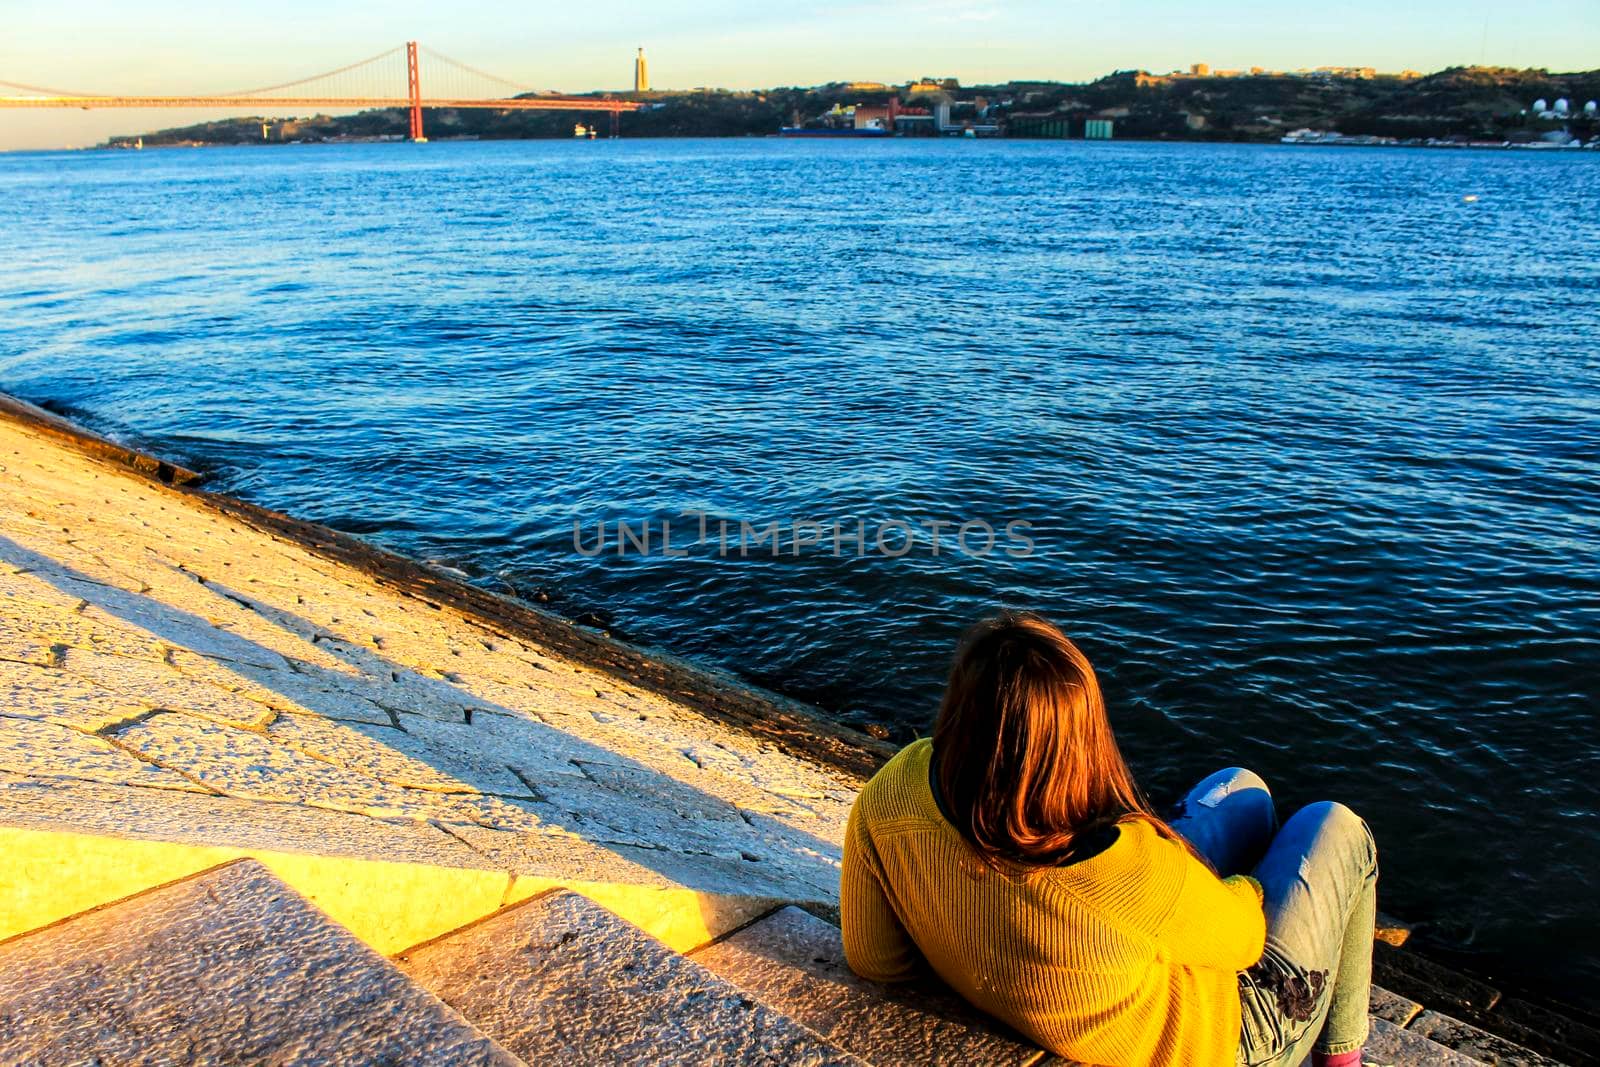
[49,876]
[1392,1007]
[87,441]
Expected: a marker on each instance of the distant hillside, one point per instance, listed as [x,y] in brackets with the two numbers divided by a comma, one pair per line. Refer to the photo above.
[1468,103]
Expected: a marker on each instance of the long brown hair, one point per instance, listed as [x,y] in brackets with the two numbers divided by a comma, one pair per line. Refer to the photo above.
[1026,760]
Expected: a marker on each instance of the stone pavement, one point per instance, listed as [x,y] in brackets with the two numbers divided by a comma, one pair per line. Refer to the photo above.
[170,674]
[230,966]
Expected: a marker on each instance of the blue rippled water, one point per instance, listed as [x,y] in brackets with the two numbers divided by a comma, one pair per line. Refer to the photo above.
[1309,441]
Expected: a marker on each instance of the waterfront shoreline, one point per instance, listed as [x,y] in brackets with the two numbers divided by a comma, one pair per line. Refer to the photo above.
[1266,141]
[767,715]
[1467,103]
[82,813]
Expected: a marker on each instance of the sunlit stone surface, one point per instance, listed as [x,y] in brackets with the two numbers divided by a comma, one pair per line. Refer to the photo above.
[795,962]
[229,967]
[170,673]
[561,980]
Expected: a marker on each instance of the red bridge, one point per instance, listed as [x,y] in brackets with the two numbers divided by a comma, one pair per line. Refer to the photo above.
[356,87]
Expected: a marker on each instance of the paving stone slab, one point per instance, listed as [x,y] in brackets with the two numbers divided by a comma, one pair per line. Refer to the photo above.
[1411,975]
[561,980]
[1389,1045]
[391,754]
[1392,1007]
[28,625]
[156,684]
[569,856]
[1514,1016]
[795,962]
[333,695]
[159,814]
[245,764]
[1477,1043]
[23,594]
[44,750]
[228,967]
[148,620]
[534,749]
[30,691]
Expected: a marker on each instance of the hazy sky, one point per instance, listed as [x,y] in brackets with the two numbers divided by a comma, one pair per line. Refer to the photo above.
[169,47]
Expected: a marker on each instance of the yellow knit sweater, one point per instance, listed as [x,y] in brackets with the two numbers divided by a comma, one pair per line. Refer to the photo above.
[1129,957]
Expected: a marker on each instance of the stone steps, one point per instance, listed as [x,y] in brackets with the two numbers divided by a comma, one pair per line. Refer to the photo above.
[560,979]
[1474,1018]
[1389,1045]
[229,966]
[1475,1043]
[795,962]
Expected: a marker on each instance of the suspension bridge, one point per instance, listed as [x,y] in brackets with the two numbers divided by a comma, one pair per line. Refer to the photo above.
[370,83]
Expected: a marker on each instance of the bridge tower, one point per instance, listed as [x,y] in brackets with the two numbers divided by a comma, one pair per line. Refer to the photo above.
[414,92]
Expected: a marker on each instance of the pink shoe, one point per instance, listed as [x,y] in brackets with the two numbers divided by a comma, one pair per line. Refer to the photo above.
[1338,1059]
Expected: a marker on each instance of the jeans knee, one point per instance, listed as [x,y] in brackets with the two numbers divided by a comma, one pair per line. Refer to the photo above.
[1236,795]
[1338,823]
[1219,785]
[1243,778]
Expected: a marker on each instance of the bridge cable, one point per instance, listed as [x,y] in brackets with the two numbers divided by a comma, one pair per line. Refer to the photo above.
[242,92]
[480,73]
[46,92]
[318,77]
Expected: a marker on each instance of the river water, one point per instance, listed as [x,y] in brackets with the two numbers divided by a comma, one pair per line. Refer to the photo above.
[1306,442]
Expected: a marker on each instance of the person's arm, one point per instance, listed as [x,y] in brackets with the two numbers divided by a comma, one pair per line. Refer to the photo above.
[876,946]
[1215,922]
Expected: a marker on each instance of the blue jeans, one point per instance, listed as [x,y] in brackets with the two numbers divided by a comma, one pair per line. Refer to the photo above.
[1319,876]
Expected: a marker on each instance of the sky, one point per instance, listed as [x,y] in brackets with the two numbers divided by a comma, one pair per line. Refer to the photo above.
[173,47]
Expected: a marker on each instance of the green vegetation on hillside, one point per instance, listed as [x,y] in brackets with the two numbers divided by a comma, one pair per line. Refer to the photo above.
[1465,103]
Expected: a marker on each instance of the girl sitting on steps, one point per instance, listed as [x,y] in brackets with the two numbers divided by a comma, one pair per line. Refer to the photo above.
[1013,854]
